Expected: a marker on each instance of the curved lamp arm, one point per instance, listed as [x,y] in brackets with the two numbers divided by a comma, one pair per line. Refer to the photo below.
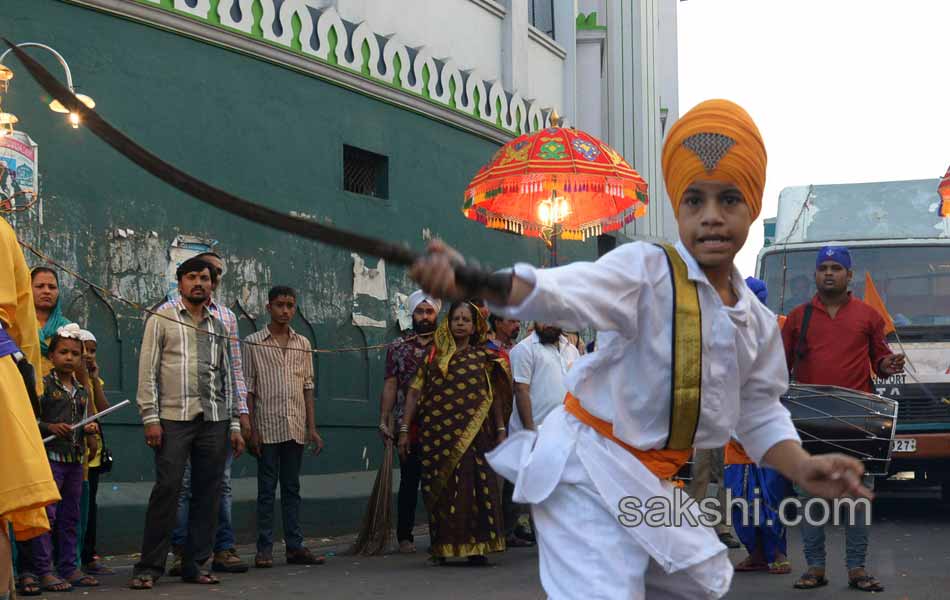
[59,57]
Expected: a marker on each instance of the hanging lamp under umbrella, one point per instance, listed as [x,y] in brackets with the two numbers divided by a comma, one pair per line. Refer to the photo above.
[944,190]
[559,182]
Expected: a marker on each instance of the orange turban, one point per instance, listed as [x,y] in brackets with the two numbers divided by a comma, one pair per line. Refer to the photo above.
[717,139]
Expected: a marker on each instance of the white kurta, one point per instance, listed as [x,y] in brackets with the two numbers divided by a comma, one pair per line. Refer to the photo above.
[543,367]
[627,297]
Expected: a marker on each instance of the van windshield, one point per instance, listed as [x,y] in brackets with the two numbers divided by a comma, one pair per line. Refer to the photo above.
[913,281]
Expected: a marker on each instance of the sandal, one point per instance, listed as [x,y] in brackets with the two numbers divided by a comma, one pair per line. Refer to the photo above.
[142,582]
[28,586]
[478,560]
[809,581]
[84,581]
[865,583]
[55,584]
[304,556]
[97,568]
[780,567]
[513,541]
[263,560]
[748,566]
[202,578]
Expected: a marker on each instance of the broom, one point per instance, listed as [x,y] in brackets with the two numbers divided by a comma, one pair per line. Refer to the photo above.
[376,532]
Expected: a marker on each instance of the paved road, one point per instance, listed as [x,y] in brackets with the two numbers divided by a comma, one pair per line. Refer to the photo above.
[910,554]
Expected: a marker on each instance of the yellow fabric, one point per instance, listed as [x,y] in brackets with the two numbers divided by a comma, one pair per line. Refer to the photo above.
[26,482]
[95,461]
[687,355]
[743,164]
[16,300]
[663,463]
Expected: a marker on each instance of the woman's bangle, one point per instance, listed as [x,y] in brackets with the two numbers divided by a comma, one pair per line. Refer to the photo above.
[501,429]
[403,428]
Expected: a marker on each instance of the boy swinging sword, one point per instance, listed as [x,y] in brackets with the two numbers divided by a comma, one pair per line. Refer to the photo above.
[687,355]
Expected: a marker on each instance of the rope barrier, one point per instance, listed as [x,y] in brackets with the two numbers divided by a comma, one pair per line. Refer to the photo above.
[142,309]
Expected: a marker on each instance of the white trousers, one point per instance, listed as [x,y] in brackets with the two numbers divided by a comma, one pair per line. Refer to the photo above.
[574,479]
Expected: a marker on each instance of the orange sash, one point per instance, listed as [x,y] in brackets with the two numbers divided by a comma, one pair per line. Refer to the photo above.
[662,463]
[736,455]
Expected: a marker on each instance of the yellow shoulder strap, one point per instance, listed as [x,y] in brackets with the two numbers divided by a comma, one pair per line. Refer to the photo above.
[687,354]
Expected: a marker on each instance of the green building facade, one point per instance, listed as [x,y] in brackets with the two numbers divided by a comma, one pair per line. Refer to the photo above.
[278,135]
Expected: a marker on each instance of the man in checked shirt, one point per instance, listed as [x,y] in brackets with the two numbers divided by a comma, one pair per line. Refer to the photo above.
[226,558]
[189,409]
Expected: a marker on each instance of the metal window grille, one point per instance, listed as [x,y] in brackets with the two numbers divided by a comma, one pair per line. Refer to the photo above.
[365,172]
[541,15]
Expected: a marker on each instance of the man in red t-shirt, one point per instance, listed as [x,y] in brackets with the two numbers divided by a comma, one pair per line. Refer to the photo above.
[843,341]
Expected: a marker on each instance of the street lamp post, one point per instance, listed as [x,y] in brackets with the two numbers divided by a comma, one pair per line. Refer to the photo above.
[6,74]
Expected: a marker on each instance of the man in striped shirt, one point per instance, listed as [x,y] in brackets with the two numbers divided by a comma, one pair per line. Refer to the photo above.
[279,371]
[226,558]
[187,402]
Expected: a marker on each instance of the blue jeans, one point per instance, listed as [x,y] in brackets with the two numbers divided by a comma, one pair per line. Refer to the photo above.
[224,535]
[279,462]
[856,535]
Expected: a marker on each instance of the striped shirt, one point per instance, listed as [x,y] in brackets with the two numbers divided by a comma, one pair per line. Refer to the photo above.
[277,378]
[184,373]
[226,316]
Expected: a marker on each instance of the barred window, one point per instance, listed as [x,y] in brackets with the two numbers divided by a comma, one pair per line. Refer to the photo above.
[365,172]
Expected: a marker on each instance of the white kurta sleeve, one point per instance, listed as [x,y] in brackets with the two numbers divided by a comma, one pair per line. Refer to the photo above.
[602,295]
[763,420]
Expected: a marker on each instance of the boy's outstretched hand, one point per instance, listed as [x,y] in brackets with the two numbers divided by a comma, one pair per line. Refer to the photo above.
[435,271]
[833,476]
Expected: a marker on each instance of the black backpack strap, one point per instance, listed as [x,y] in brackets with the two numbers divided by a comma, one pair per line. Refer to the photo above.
[801,344]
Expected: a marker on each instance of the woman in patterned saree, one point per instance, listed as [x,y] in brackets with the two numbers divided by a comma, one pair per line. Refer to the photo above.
[457,400]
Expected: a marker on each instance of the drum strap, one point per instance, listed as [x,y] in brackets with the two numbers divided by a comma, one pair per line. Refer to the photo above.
[801,345]
[687,354]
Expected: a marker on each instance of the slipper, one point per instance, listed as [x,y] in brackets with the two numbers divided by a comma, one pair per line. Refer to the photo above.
[809,581]
[28,586]
[513,541]
[865,583]
[202,578]
[97,568]
[84,581]
[142,582]
[780,567]
[57,586]
[748,567]
[304,556]
[263,560]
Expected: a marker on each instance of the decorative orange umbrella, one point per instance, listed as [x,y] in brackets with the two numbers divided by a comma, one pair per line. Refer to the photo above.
[944,190]
[556,182]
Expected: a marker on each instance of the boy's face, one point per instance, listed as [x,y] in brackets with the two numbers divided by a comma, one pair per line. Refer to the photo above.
[66,356]
[713,222]
[282,309]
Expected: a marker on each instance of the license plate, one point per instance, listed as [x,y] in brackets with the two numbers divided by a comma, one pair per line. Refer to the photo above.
[904,445]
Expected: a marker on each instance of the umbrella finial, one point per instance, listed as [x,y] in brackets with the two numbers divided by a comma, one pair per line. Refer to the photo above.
[556,119]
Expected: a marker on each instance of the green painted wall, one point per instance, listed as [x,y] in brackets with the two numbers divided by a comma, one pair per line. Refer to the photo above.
[263,132]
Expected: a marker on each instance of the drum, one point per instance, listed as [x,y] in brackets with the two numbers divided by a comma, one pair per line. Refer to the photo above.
[834,419]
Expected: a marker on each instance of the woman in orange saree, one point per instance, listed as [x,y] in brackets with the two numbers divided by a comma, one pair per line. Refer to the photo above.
[457,400]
